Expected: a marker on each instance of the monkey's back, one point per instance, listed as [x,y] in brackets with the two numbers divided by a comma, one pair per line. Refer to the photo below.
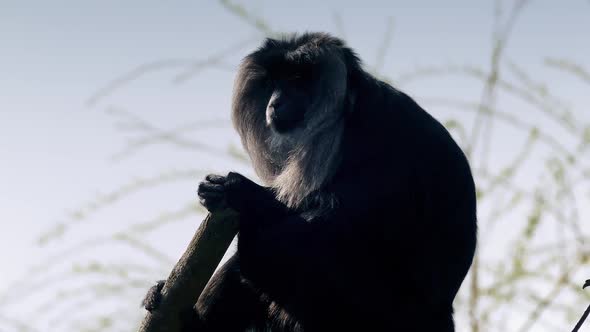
[420,210]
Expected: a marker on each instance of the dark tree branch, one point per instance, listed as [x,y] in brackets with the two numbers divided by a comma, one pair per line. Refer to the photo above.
[586,312]
[192,272]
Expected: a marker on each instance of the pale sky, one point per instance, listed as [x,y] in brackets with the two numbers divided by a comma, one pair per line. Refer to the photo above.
[56,150]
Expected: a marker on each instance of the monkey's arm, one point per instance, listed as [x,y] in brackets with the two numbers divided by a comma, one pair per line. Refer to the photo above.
[278,245]
[291,249]
[243,195]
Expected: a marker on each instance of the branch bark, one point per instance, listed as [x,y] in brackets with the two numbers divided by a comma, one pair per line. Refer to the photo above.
[192,272]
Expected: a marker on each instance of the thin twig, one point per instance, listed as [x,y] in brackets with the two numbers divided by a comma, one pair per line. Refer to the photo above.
[337,19]
[383,49]
[192,65]
[547,300]
[252,19]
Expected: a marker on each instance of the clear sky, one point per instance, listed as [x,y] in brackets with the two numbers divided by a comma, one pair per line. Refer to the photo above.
[56,149]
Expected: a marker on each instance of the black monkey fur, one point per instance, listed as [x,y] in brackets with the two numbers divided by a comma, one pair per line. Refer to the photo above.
[368,222]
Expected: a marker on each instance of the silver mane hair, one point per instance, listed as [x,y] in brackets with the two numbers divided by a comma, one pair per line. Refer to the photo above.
[301,161]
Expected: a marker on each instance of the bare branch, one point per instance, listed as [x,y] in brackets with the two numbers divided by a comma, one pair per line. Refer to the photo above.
[192,272]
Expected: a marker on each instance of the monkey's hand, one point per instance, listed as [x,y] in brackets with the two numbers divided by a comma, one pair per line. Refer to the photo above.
[153,297]
[239,193]
[219,192]
[189,319]
[212,192]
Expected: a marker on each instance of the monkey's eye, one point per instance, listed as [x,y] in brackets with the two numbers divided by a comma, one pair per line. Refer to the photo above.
[298,80]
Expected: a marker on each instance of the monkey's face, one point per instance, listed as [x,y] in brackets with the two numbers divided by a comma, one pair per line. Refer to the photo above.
[305,94]
[287,95]
[289,101]
[291,88]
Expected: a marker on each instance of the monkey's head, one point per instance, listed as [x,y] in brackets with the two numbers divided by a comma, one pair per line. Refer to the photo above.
[291,97]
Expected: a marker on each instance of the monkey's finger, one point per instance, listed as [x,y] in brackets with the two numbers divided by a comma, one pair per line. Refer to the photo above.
[211,194]
[214,178]
[212,203]
[153,297]
[209,186]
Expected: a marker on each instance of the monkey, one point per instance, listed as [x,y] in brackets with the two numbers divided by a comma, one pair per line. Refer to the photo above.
[367,217]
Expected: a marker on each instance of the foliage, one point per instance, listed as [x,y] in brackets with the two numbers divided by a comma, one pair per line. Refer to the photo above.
[538,227]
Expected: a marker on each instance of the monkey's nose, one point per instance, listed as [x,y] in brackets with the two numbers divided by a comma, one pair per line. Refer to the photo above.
[277,122]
